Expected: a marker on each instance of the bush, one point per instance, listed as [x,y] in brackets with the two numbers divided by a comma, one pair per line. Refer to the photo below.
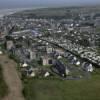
[11,56]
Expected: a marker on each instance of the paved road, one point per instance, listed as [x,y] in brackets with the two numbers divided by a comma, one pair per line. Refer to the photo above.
[12,79]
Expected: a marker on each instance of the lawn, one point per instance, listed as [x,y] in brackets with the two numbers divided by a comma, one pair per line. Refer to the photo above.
[3,86]
[49,89]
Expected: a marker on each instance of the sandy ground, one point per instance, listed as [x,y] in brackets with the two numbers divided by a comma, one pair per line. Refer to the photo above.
[12,79]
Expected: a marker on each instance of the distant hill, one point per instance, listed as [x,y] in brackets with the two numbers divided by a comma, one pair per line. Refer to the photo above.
[62,12]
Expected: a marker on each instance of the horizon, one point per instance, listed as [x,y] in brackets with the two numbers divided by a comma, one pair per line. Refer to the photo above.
[13,4]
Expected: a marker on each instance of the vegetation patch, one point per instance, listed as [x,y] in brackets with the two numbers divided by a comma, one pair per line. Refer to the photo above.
[47,89]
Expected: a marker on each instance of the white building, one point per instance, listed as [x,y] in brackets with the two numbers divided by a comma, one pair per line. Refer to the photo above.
[49,49]
[32,54]
[47,60]
[9,45]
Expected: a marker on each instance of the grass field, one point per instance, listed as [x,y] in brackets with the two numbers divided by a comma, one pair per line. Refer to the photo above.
[3,86]
[43,89]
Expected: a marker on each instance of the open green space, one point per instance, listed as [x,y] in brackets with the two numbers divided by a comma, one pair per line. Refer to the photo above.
[3,86]
[49,89]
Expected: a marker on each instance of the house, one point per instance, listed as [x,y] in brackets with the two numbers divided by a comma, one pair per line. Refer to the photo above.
[32,54]
[86,29]
[74,59]
[90,68]
[59,51]
[87,66]
[9,45]
[46,60]
[67,71]
[49,49]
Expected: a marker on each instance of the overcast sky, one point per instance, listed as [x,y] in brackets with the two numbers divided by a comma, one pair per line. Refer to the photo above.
[45,3]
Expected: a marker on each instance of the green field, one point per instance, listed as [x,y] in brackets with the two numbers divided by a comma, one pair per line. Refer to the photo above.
[3,86]
[43,89]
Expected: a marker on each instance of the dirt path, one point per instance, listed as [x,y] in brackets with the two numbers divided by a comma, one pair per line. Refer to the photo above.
[12,79]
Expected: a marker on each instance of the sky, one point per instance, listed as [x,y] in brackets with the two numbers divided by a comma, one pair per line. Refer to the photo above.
[44,3]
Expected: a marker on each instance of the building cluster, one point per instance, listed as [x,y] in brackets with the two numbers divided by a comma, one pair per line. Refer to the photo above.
[43,47]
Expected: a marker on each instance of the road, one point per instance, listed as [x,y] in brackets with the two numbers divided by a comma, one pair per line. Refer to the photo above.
[12,79]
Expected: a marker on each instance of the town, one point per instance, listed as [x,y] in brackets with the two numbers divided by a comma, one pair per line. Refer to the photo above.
[64,48]
[50,54]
